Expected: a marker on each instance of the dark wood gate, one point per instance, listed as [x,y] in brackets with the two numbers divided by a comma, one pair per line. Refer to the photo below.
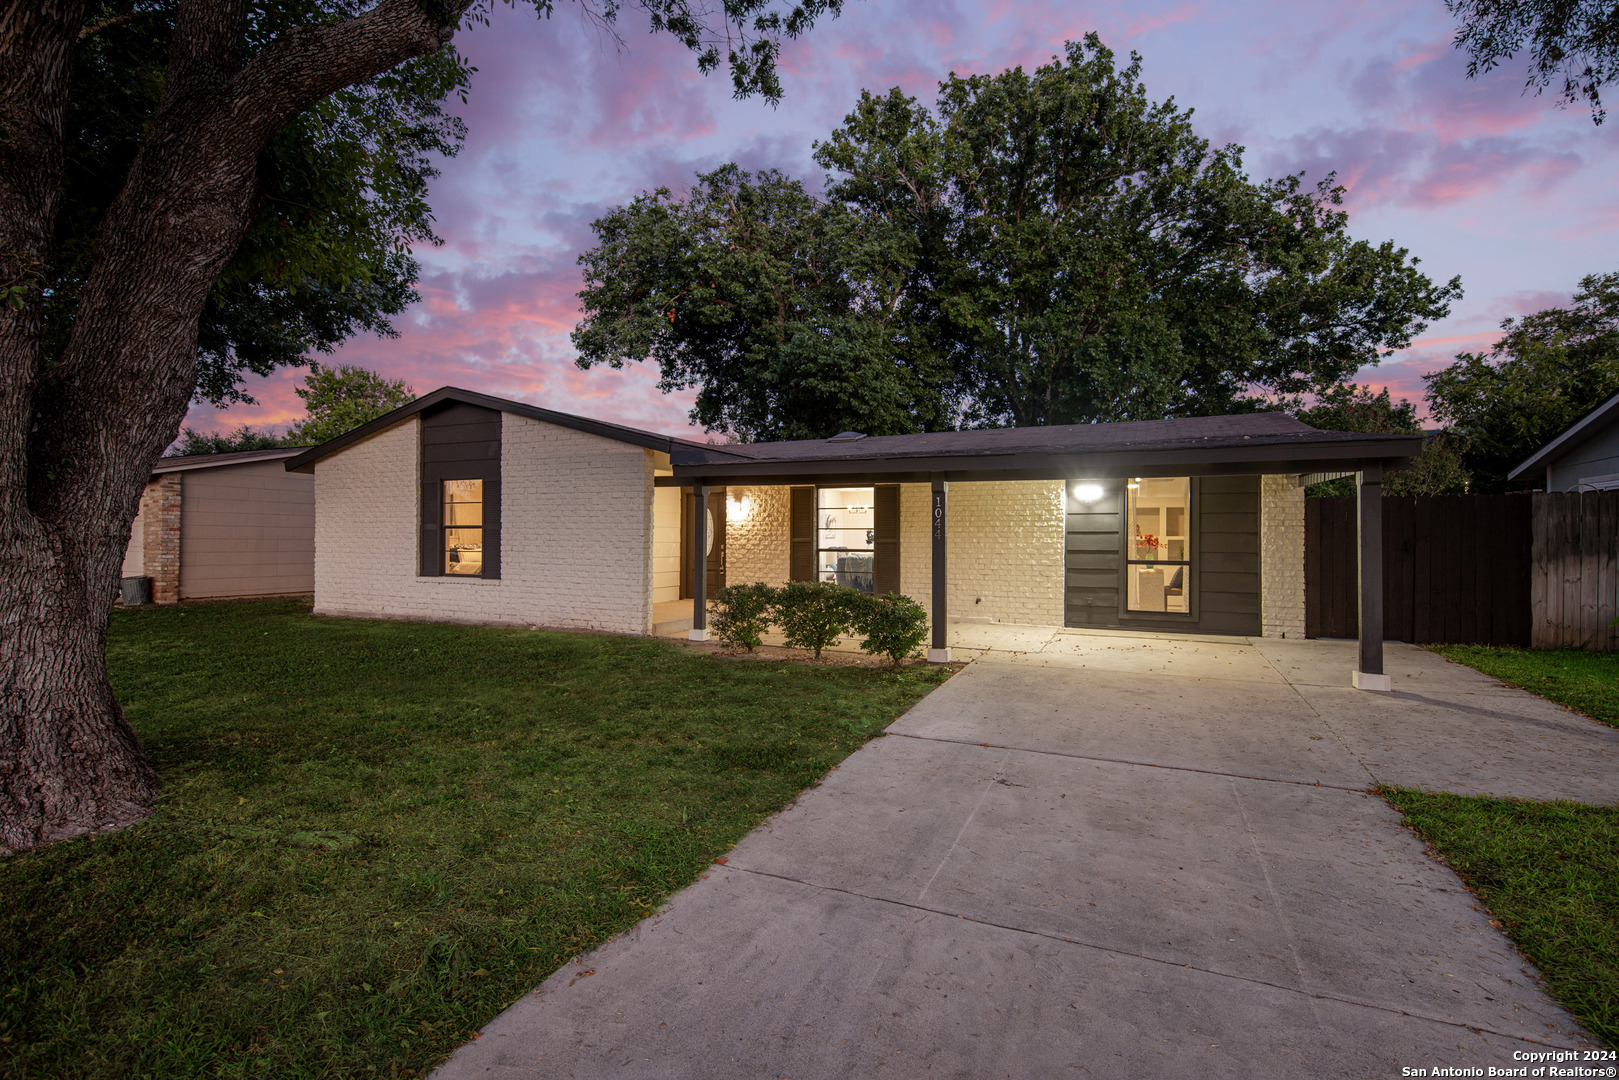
[1456,569]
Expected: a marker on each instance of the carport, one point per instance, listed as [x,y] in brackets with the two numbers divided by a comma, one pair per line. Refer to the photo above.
[1090,461]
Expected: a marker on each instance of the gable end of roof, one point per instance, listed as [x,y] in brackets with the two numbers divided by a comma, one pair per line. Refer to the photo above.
[1576,433]
[305,462]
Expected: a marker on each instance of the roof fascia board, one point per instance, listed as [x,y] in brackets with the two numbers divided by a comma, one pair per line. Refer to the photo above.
[1091,468]
[1568,439]
[1236,459]
[229,459]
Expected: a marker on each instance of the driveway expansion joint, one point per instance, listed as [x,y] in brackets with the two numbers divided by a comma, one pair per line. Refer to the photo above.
[1299,991]
[1128,761]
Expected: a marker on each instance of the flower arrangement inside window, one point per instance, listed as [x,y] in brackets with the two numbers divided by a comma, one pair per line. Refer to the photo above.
[1147,546]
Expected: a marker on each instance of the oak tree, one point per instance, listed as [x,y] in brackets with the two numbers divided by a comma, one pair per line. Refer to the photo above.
[1042,248]
[84,417]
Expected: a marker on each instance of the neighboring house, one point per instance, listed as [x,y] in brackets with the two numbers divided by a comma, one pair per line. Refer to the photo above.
[465,507]
[213,526]
[1583,458]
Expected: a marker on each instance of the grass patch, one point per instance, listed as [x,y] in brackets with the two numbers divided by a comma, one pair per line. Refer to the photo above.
[1549,874]
[373,836]
[1587,682]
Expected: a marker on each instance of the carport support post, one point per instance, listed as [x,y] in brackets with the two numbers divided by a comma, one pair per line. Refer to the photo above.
[699,563]
[939,647]
[1368,673]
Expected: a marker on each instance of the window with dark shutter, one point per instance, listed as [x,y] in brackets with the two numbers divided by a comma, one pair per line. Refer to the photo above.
[801,534]
[886,554]
[460,493]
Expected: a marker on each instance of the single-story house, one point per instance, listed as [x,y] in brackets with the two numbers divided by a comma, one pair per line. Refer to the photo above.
[466,507]
[217,526]
[1583,458]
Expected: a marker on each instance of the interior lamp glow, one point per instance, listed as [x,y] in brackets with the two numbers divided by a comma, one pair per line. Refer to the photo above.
[1087,493]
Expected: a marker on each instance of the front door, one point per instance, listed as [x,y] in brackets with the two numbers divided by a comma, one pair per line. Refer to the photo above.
[715,556]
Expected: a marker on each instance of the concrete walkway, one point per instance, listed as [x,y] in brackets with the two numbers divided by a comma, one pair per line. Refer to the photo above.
[1105,855]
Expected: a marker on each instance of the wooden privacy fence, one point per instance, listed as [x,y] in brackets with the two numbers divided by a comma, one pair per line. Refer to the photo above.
[1539,570]
[1575,578]
[1456,569]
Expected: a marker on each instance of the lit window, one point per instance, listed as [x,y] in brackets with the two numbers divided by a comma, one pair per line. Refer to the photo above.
[463,527]
[845,536]
[1157,557]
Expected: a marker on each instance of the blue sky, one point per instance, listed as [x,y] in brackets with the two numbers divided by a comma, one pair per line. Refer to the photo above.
[1474,177]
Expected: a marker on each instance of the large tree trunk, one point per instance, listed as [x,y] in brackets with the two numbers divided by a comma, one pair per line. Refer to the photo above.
[78,441]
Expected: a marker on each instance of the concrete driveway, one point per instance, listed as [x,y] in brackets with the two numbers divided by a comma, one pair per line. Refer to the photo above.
[1101,855]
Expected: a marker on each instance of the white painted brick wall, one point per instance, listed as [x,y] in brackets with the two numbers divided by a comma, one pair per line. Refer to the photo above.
[576,533]
[1006,547]
[1281,556]
[1005,543]
[757,543]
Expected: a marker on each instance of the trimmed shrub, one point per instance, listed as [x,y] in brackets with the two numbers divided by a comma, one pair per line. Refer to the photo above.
[742,614]
[813,614]
[894,625]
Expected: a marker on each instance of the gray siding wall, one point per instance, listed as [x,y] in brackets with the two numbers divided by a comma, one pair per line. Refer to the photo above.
[1225,560]
[1596,456]
[1094,557]
[1227,564]
[247,530]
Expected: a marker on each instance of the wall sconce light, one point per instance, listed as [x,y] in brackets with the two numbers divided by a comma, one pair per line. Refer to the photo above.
[1088,493]
[741,507]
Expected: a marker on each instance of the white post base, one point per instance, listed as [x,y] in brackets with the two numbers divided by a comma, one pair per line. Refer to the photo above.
[1362,681]
[698,635]
[939,656]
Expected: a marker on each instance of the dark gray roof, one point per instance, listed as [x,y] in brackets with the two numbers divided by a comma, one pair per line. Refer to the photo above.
[210,461]
[1577,433]
[1257,442]
[1251,442]
[445,394]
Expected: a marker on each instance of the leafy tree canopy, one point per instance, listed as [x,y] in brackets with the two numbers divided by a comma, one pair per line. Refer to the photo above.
[1356,408]
[1436,470]
[1048,248]
[1547,370]
[193,442]
[340,399]
[1575,41]
[342,195]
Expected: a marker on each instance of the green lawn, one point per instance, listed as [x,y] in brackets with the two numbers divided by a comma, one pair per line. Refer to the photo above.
[1549,874]
[373,836]
[1585,681]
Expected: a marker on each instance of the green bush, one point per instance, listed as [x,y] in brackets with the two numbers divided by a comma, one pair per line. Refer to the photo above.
[894,625]
[813,614]
[742,614]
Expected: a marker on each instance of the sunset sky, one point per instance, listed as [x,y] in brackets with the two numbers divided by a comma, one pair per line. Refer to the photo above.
[1475,178]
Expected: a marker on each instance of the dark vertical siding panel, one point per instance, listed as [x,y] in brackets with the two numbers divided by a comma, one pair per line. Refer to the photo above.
[1227,509]
[491,528]
[431,510]
[801,534]
[885,522]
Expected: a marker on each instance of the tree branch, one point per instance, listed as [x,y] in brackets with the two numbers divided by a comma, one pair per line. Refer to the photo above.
[117,20]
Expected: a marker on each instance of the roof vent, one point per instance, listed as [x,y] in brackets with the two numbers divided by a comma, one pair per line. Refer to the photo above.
[847,436]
